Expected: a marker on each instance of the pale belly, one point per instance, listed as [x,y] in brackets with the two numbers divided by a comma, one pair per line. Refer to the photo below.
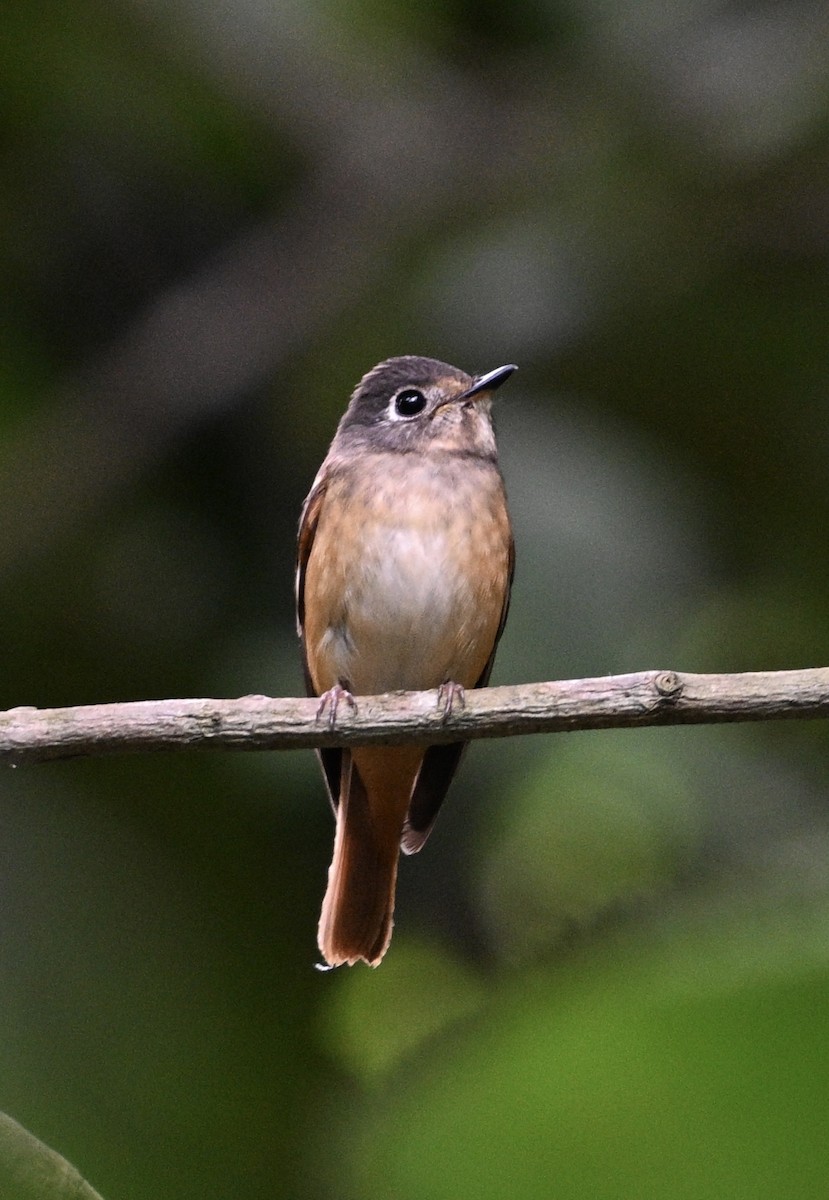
[418,604]
[412,618]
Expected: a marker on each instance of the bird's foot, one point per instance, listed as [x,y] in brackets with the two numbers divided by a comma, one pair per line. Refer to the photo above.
[331,700]
[450,694]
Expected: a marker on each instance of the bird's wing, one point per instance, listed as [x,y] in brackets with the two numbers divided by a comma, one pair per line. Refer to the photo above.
[331,759]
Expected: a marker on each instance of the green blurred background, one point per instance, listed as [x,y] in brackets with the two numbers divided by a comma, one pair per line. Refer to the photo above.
[610,976]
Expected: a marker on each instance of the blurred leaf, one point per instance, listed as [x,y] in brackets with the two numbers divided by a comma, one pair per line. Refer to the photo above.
[31,1171]
[695,1070]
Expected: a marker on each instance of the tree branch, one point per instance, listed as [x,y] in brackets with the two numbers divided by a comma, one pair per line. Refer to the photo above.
[29,735]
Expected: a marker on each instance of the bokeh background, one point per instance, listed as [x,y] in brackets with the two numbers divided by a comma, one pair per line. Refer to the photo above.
[610,974]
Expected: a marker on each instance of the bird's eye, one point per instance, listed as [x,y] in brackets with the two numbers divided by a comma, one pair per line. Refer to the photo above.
[409,403]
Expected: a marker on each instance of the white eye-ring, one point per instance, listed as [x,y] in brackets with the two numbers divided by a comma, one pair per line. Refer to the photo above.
[406,404]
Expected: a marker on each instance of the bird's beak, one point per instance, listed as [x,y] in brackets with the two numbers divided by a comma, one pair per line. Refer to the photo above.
[488,382]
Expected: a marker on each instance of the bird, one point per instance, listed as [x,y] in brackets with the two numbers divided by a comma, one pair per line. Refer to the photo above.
[404,565]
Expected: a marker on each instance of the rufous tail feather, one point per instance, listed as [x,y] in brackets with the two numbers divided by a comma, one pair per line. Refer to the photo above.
[356,920]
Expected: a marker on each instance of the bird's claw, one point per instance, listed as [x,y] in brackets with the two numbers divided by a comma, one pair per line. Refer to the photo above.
[331,700]
[450,693]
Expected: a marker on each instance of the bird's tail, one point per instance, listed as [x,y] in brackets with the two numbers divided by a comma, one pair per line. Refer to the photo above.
[356,920]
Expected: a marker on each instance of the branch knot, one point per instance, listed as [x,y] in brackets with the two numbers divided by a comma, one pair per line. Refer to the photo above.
[669,685]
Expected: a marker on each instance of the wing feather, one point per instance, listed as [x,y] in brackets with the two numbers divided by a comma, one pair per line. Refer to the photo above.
[330,759]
